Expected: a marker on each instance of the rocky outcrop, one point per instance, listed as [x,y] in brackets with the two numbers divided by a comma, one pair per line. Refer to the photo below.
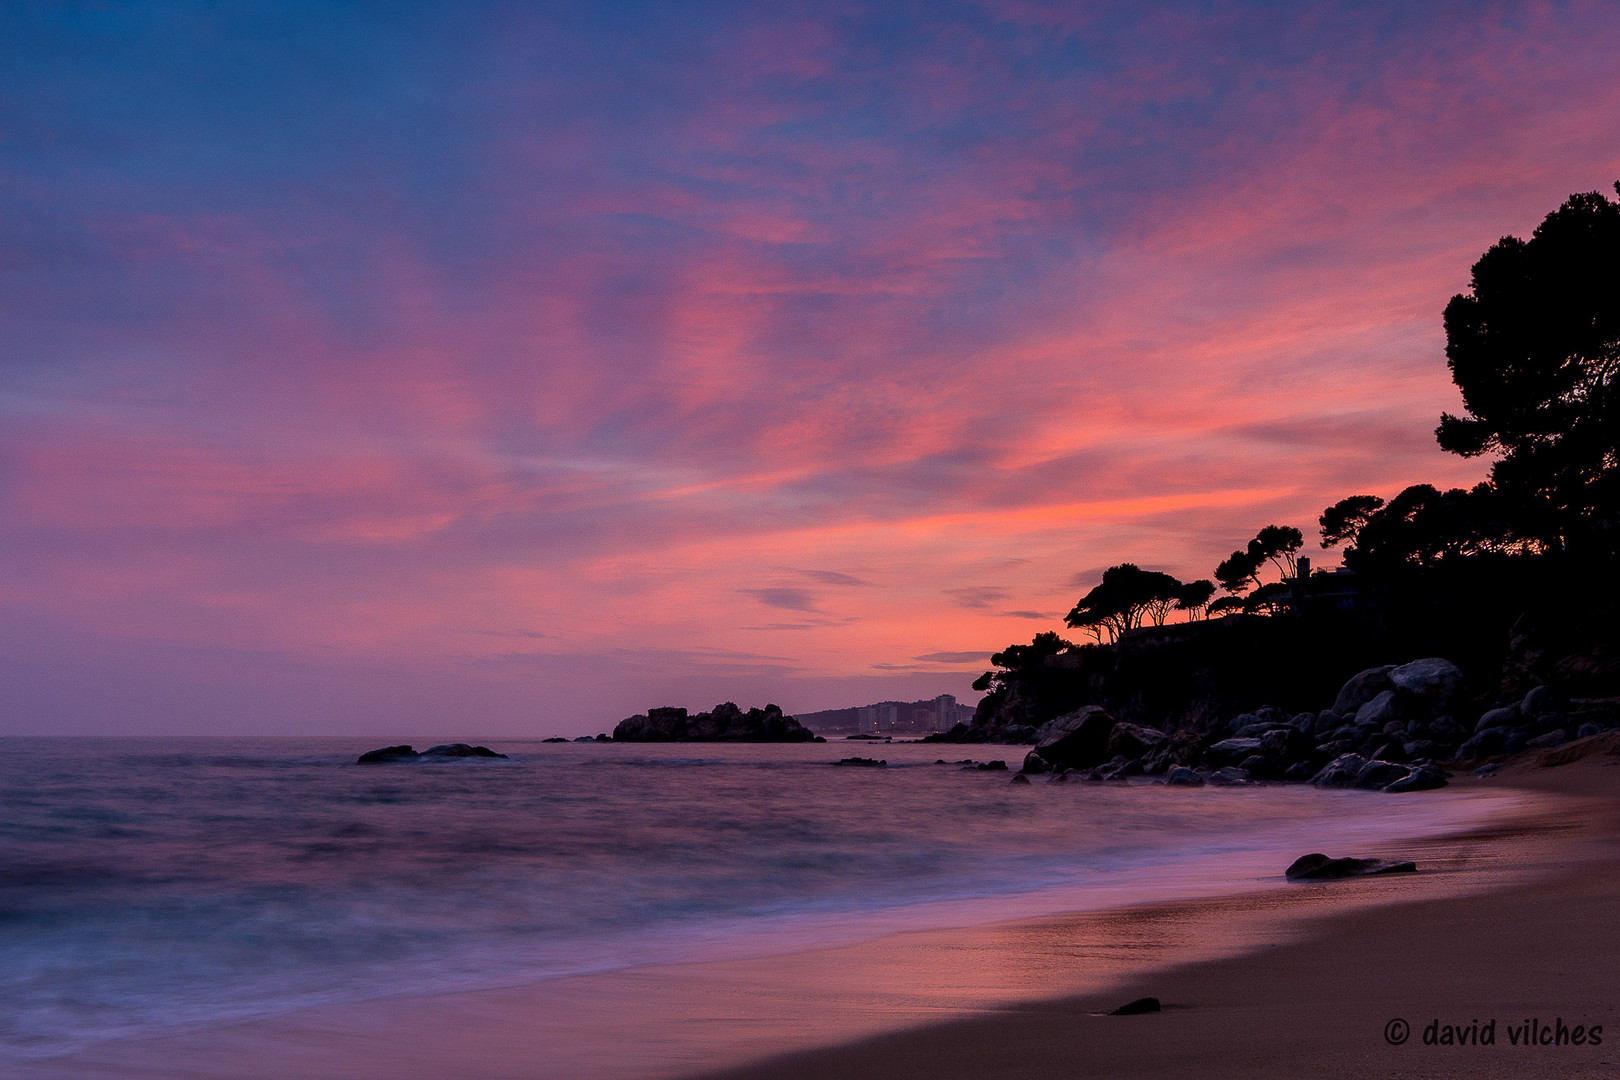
[724,723]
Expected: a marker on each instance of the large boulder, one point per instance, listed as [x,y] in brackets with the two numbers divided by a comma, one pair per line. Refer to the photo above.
[1383,708]
[1340,772]
[1362,688]
[1435,680]
[1133,740]
[1078,739]
[1232,751]
[1380,774]
[1506,716]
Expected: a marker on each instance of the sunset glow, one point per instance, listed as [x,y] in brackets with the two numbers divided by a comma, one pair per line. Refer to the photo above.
[513,368]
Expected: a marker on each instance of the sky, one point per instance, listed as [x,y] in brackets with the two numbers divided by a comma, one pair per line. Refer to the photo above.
[509,368]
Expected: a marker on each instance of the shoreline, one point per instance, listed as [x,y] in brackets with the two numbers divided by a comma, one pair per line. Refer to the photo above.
[1535,949]
[903,996]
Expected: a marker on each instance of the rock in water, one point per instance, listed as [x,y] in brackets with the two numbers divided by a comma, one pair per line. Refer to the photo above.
[1078,739]
[387,753]
[460,749]
[1138,1007]
[724,723]
[1181,776]
[864,762]
[1319,867]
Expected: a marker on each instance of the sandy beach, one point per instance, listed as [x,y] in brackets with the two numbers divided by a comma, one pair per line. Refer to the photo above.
[1511,922]
[1356,992]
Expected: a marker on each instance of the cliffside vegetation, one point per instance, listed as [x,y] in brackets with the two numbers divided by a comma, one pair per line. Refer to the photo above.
[1515,580]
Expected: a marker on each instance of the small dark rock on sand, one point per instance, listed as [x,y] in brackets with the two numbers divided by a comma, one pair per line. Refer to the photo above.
[1319,867]
[1138,1007]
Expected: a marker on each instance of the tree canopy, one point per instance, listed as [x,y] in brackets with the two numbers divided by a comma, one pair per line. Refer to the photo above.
[1345,518]
[1126,595]
[1534,346]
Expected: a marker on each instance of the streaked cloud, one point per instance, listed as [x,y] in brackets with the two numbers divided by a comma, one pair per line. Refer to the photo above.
[336,344]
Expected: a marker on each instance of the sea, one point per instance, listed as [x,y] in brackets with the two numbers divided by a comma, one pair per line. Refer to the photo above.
[157,885]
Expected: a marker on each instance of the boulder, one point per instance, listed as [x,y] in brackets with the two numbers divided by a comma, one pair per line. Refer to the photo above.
[1394,750]
[1506,716]
[1319,867]
[1383,708]
[1231,776]
[1133,740]
[1034,763]
[1539,702]
[1078,739]
[1422,778]
[1020,778]
[557,738]
[387,753]
[1555,737]
[1483,745]
[1138,1007]
[1380,774]
[1340,772]
[863,762]
[1181,776]
[1300,771]
[1260,767]
[1232,751]
[1435,680]
[1254,731]
[992,766]
[1362,688]
[1284,744]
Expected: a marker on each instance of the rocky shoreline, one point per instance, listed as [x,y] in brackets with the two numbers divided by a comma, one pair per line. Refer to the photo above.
[1393,728]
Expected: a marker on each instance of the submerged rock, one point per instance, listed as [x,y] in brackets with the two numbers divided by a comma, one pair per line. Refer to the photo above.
[1319,867]
[865,762]
[405,753]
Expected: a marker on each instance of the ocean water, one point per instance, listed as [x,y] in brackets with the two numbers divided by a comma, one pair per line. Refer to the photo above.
[151,885]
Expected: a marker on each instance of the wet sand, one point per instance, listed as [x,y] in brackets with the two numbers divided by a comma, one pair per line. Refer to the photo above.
[1536,951]
[1512,921]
